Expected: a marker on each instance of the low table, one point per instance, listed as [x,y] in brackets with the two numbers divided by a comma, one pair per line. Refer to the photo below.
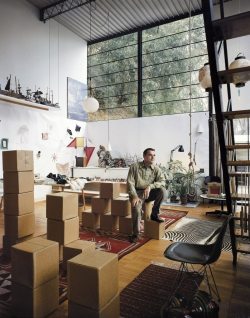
[222,200]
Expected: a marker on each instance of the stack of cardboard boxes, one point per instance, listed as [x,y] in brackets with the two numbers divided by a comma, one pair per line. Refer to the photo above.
[62,217]
[19,217]
[35,277]
[93,286]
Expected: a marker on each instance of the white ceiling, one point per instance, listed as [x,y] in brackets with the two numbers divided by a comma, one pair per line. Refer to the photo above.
[124,15]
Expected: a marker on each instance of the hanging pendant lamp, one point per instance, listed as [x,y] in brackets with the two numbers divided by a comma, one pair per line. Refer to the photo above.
[90,103]
[205,78]
[239,61]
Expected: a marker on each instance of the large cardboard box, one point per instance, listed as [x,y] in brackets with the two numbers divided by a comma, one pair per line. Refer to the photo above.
[18,226]
[72,249]
[63,232]
[93,280]
[90,220]
[125,225]
[109,190]
[109,222]
[120,206]
[18,160]
[18,182]
[35,302]
[19,203]
[35,262]
[111,310]
[154,229]
[100,205]
[61,206]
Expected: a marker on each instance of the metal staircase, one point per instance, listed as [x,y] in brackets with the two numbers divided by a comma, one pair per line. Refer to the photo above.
[235,169]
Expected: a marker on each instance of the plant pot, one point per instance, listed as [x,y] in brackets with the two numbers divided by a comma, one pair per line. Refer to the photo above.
[184,199]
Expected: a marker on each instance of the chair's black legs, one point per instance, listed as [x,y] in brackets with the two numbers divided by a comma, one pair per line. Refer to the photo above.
[215,290]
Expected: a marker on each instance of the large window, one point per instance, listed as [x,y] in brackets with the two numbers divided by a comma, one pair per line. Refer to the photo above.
[171,57]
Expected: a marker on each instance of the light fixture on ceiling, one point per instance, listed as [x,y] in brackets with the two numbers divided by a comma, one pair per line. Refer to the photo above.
[109,148]
[90,103]
[205,78]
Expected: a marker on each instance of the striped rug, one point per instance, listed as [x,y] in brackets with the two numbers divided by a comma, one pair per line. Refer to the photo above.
[192,230]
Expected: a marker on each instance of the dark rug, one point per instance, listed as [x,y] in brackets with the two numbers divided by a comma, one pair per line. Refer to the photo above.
[192,230]
[149,292]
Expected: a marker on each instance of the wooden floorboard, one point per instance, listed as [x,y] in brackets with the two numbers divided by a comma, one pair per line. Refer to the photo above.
[233,283]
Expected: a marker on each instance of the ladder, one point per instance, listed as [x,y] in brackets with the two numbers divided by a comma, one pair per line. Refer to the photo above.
[233,170]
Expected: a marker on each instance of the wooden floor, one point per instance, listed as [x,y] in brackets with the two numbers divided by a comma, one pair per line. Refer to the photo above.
[233,283]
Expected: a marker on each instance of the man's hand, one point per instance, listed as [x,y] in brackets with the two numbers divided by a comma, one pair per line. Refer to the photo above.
[146,193]
[135,201]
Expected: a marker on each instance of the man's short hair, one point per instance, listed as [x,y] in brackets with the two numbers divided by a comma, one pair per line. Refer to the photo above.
[146,151]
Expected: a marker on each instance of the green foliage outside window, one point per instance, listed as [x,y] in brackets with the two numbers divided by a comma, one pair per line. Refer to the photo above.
[166,65]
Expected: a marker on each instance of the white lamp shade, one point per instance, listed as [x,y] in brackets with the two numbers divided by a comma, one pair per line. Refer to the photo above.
[90,105]
[240,61]
[204,77]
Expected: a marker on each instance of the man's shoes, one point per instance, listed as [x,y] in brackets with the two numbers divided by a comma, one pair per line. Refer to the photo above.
[157,219]
[133,238]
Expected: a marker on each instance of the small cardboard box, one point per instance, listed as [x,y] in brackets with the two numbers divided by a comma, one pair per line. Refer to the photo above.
[154,229]
[63,232]
[35,262]
[90,220]
[109,222]
[19,203]
[35,302]
[123,187]
[93,280]
[125,225]
[17,226]
[100,205]
[61,206]
[18,182]
[18,160]
[72,249]
[109,190]
[111,310]
[120,206]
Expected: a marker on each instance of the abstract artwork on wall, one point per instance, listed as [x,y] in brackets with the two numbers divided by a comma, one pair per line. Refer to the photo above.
[76,91]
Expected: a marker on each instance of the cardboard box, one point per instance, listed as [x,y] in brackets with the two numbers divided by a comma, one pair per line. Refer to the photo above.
[154,229]
[37,302]
[72,249]
[18,226]
[100,205]
[109,190]
[93,186]
[63,232]
[125,225]
[214,189]
[61,206]
[90,220]
[111,310]
[18,160]
[18,182]
[35,262]
[93,280]
[109,222]
[121,206]
[123,187]
[19,203]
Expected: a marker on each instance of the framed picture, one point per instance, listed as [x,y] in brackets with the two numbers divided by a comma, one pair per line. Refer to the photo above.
[4,143]
[76,92]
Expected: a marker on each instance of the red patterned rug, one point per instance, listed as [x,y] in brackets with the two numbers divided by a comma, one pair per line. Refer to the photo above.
[148,294]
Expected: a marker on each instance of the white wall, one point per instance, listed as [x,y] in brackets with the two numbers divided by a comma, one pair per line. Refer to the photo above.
[40,56]
[164,133]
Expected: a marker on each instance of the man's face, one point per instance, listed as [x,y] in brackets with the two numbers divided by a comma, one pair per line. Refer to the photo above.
[149,157]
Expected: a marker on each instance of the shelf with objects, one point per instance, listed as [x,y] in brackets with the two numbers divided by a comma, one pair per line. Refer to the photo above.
[233,151]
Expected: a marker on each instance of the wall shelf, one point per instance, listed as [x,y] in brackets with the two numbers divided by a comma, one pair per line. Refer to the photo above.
[22,102]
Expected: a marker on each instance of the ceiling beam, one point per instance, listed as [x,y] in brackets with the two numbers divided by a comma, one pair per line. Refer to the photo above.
[61,7]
